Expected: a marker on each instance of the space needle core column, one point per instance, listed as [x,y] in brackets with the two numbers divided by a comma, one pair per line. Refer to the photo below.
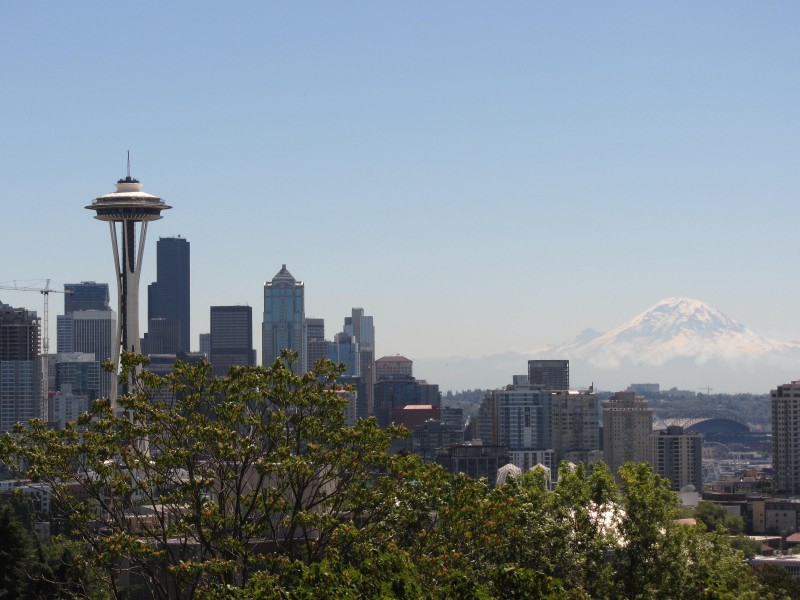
[126,211]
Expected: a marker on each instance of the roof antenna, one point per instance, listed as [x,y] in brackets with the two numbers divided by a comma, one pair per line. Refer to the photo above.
[129,164]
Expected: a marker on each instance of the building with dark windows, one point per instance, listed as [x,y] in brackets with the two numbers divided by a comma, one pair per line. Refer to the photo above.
[168,299]
[549,374]
[86,295]
[475,460]
[231,338]
[20,367]
[398,391]
[283,326]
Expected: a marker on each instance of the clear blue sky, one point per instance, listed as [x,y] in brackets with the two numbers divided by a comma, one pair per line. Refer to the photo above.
[480,177]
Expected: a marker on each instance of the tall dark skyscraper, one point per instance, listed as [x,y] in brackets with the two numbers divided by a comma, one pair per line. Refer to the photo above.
[86,295]
[168,305]
[231,338]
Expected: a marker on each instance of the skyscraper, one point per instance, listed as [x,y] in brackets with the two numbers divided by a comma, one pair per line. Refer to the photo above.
[549,374]
[284,324]
[93,332]
[20,367]
[168,297]
[627,426]
[389,366]
[231,338]
[678,456]
[131,209]
[576,426]
[363,332]
[86,295]
[786,437]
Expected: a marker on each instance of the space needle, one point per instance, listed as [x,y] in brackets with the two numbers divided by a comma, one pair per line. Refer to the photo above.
[131,209]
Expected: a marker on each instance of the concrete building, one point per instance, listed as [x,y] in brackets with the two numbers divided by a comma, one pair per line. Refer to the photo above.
[627,427]
[204,341]
[168,298]
[786,438]
[678,456]
[362,329]
[434,436]
[20,367]
[92,332]
[66,406]
[284,326]
[576,427]
[549,374]
[231,338]
[519,417]
[389,366]
[344,351]
[316,344]
[80,371]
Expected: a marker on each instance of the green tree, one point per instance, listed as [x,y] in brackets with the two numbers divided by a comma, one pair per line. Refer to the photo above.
[714,516]
[249,472]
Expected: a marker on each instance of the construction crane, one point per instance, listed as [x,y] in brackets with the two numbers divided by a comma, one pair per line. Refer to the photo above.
[44,291]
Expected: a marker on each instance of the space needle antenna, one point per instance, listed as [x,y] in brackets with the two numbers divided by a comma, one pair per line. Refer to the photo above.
[129,164]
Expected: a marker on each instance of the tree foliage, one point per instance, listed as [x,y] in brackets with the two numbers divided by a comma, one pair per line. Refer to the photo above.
[252,486]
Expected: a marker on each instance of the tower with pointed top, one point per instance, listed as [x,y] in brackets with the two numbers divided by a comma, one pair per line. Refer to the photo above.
[284,325]
[127,211]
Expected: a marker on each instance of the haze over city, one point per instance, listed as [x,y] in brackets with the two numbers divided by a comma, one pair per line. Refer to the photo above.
[481,179]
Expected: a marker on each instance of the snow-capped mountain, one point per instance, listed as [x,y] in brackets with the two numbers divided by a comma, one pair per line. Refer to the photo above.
[674,328]
[677,342]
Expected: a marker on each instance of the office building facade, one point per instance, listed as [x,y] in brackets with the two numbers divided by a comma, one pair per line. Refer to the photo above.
[786,437]
[231,338]
[86,295]
[283,325]
[549,374]
[576,426]
[92,332]
[678,456]
[20,367]
[627,427]
[168,298]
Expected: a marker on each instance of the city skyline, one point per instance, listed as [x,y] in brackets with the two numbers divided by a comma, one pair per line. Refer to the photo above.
[555,168]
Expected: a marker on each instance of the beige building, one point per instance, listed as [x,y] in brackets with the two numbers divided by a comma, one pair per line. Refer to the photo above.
[678,456]
[575,426]
[390,367]
[627,426]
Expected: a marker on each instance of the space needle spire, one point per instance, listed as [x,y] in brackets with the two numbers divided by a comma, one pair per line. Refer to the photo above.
[128,210]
